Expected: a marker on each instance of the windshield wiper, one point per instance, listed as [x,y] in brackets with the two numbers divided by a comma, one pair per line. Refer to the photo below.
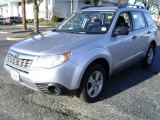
[77,32]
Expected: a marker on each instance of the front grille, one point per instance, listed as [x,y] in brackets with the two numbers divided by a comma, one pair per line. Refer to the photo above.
[18,60]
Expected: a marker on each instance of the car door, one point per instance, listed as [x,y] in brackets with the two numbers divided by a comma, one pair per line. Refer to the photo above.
[121,47]
[139,34]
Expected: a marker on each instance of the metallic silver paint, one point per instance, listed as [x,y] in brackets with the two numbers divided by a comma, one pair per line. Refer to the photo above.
[118,51]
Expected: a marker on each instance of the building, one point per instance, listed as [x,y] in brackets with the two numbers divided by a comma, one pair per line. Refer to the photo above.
[47,9]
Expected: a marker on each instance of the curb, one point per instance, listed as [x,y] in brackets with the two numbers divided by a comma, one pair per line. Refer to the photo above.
[22,31]
[33,26]
[16,39]
[3,32]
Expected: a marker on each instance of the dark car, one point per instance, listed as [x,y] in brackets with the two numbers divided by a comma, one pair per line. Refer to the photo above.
[1,20]
[12,20]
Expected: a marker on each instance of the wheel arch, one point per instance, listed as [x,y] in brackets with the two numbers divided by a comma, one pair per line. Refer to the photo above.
[153,42]
[102,61]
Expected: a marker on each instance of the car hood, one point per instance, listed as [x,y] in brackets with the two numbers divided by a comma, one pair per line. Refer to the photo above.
[52,42]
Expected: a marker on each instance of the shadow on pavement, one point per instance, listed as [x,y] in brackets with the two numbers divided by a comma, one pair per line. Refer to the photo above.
[131,77]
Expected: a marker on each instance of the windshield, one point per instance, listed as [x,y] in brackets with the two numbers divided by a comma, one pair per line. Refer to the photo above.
[87,22]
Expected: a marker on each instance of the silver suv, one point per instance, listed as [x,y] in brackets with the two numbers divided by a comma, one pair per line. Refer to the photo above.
[12,20]
[78,57]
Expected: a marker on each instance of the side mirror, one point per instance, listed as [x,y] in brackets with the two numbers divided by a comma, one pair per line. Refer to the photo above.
[121,30]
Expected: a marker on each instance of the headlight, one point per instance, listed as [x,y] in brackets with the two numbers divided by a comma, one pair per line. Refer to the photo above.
[50,61]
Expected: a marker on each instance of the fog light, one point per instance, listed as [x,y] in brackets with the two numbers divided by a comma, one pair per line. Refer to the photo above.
[54,90]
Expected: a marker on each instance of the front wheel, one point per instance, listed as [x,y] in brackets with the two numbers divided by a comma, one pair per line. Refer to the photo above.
[147,61]
[13,23]
[95,78]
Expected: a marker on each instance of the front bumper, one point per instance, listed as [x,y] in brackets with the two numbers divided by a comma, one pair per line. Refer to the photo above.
[63,79]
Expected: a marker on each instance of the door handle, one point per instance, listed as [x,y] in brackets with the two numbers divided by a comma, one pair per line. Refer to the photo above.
[134,37]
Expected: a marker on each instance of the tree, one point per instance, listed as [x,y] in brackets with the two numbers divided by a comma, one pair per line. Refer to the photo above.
[36,4]
[96,2]
[24,15]
[122,2]
[151,5]
[118,2]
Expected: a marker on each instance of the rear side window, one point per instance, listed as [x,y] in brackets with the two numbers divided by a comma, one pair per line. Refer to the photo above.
[138,20]
[148,19]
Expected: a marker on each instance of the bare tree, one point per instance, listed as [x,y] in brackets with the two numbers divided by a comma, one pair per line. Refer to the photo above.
[122,2]
[36,4]
[24,15]
[118,2]
[151,5]
[96,2]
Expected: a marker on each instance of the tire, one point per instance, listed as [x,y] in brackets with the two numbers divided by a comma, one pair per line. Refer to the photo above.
[148,60]
[95,83]
[13,23]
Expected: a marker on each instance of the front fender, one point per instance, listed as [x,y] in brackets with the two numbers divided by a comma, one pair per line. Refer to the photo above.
[84,57]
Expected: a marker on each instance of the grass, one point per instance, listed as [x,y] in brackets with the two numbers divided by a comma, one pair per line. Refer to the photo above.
[46,23]
[49,23]
[20,35]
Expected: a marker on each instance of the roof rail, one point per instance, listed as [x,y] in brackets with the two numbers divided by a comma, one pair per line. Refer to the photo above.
[90,7]
[132,6]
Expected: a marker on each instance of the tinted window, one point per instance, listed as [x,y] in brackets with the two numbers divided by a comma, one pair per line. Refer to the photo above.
[148,18]
[138,20]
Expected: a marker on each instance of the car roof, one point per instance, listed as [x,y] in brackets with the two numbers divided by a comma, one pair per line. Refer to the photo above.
[105,8]
[99,8]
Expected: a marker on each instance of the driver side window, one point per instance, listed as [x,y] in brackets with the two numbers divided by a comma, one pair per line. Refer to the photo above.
[124,19]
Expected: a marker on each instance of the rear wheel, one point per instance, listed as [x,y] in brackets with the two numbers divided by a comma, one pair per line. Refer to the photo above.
[95,83]
[147,61]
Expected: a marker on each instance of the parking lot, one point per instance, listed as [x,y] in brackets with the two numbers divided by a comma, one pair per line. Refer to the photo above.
[132,94]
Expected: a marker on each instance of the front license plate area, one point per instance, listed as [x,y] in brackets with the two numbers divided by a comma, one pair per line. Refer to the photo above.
[14,75]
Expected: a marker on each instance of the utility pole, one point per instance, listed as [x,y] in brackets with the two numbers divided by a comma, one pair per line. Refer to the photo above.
[24,15]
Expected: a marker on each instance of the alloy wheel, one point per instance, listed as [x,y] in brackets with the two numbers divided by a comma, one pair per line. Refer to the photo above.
[95,84]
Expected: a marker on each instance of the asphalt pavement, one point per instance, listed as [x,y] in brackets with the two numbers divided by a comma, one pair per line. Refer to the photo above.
[132,94]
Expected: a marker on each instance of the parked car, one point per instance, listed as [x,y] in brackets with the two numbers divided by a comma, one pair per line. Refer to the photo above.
[12,20]
[1,20]
[78,57]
